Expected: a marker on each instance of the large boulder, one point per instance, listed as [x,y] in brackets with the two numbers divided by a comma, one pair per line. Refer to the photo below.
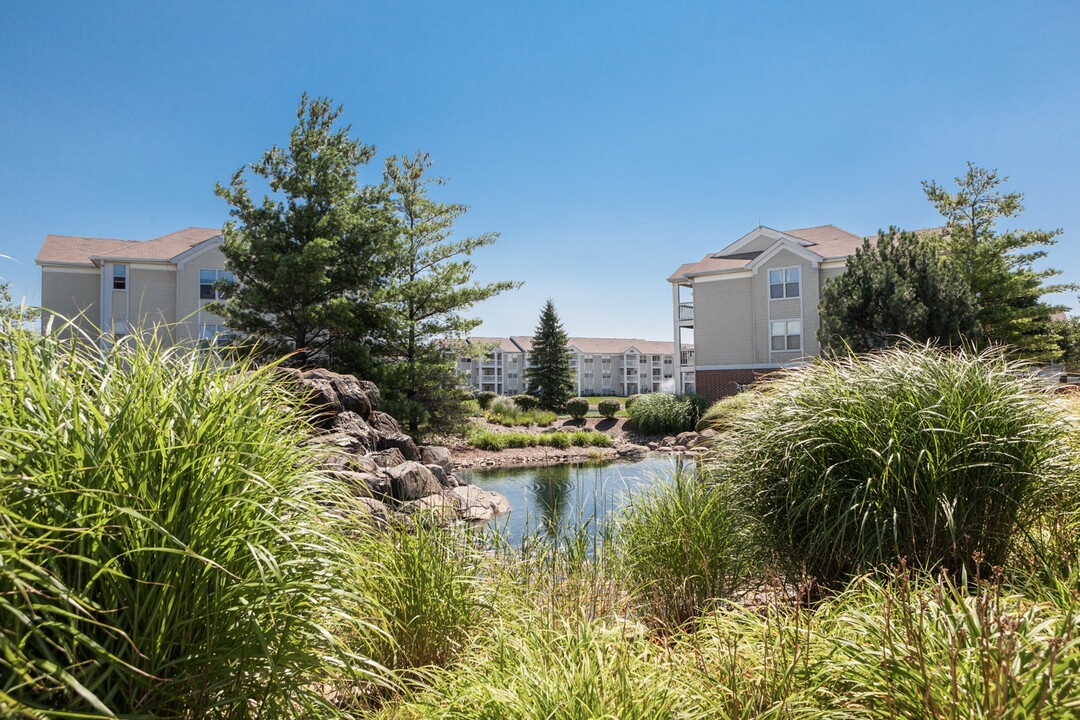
[479,506]
[412,481]
[384,423]
[438,509]
[354,425]
[365,484]
[437,455]
[387,458]
[401,442]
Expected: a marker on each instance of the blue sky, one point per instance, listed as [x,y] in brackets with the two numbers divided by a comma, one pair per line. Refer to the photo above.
[608,142]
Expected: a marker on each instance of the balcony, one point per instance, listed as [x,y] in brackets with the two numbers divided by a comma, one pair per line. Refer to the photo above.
[686,312]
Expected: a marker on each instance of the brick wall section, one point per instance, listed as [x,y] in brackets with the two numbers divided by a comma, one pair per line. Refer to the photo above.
[715,384]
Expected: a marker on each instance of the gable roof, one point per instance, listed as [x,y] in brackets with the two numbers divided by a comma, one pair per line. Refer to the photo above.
[823,241]
[600,346]
[502,344]
[85,251]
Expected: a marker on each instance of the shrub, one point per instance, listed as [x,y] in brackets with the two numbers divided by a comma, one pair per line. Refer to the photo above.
[909,453]
[484,398]
[608,407]
[577,407]
[684,545]
[630,400]
[657,413]
[559,440]
[485,440]
[503,406]
[543,418]
[589,438]
[526,402]
[164,545]
[722,414]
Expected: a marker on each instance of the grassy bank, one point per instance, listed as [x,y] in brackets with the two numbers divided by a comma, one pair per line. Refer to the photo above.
[169,549]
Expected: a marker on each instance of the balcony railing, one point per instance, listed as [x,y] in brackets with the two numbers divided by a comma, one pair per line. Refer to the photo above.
[686,311]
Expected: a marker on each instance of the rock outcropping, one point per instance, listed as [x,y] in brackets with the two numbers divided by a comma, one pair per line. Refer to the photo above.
[393,476]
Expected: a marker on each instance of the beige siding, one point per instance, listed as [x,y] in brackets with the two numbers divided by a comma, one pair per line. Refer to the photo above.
[152,299]
[803,308]
[724,322]
[189,308]
[71,295]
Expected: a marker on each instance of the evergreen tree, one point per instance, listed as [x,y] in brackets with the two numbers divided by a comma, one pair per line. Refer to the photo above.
[899,285]
[549,376]
[999,266]
[428,289]
[307,258]
[1068,330]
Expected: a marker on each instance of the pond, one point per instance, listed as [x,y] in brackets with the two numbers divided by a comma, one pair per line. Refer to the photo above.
[560,499]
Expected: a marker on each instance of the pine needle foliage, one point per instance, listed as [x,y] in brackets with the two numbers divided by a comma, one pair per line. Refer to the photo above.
[549,375]
[897,286]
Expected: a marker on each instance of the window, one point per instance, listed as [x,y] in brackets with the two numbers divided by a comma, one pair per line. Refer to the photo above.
[786,335]
[783,284]
[587,374]
[656,358]
[207,280]
[119,277]
[511,376]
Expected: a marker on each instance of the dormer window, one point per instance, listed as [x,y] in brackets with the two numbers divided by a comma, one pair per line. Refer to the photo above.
[784,283]
[119,277]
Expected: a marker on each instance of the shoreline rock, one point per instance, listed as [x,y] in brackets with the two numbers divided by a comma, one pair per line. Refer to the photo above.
[392,477]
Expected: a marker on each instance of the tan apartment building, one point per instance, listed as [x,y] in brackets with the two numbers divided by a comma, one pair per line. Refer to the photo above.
[753,306]
[118,287]
[601,366]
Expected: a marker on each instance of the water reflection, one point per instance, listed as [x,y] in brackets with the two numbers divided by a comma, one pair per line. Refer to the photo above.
[558,500]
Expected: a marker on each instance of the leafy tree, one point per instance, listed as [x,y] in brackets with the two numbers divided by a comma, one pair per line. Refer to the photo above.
[998,266]
[548,375]
[308,257]
[12,313]
[899,285]
[428,288]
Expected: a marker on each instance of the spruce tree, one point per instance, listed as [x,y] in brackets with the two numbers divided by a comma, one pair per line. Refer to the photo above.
[428,289]
[899,285]
[549,376]
[999,266]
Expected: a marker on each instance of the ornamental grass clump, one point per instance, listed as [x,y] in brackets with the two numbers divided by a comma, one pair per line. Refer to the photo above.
[165,548]
[912,453]
[658,413]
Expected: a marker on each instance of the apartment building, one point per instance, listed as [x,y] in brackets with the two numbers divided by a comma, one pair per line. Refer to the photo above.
[601,366]
[752,307]
[111,288]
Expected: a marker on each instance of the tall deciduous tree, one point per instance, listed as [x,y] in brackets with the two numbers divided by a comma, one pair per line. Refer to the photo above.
[548,375]
[998,266]
[308,257]
[429,287]
[899,285]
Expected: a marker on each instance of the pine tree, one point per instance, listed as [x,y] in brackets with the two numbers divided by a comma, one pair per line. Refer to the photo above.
[308,258]
[549,376]
[427,291]
[899,285]
[999,266]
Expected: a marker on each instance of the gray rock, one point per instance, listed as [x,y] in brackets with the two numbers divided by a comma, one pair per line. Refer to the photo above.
[387,458]
[667,441]
[383,423]
[439,473]
[479,506]
[362,463]
[686,439]
[437,508]
[402,442]
[374,510]
[352,424]
[335,393]
[632,451]
[437,455]
[363,484]
[412,481]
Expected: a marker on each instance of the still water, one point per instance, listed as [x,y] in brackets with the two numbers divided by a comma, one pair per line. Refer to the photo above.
[561,499]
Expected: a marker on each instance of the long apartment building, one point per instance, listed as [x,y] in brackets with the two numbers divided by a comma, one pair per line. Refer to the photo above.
[601,366]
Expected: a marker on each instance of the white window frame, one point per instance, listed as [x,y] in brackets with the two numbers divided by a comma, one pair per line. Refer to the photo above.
[121,276]
[218,275]
[785,282]
[785,326]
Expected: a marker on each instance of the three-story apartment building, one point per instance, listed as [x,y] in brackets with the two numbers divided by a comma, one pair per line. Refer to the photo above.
[110,288]
[601,366]
[752,307]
